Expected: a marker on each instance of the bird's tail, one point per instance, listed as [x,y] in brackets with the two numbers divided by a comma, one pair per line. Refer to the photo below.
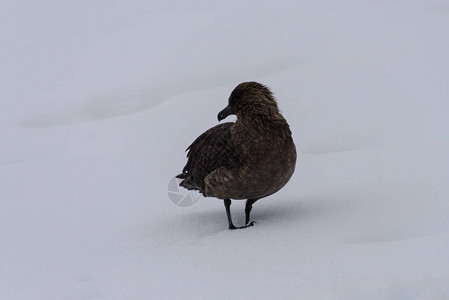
[189,183]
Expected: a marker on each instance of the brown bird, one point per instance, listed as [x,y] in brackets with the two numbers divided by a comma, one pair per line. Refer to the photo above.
[249,159]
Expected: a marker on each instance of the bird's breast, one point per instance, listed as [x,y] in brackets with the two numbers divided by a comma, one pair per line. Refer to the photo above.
[269,165]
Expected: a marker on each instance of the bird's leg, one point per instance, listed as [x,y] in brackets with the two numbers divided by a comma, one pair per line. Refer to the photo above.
[248,207]
[227,203]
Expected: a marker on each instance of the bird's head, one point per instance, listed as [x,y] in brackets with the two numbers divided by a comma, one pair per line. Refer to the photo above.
[250,99]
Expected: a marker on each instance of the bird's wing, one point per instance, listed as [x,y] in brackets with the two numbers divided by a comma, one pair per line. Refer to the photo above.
[208,152]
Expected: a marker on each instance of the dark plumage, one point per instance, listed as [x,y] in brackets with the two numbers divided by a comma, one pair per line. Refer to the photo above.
[249,159]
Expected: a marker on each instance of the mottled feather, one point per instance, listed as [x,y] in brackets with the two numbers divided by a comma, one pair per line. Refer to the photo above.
[210,151]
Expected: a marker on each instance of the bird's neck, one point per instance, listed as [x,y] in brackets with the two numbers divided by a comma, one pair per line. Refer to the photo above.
[265,124]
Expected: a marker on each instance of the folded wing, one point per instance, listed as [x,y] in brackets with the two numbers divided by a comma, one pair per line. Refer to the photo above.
[210,151]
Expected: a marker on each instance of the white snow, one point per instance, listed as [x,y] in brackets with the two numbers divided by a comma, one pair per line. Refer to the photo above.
[100,100]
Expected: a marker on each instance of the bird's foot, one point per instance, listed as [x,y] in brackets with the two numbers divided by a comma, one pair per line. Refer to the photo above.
[232,227]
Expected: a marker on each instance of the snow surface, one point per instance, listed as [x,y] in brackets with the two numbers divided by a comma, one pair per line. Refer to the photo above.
[100,99]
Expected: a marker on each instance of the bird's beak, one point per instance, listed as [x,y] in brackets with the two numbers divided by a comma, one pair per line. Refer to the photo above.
[224,113]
